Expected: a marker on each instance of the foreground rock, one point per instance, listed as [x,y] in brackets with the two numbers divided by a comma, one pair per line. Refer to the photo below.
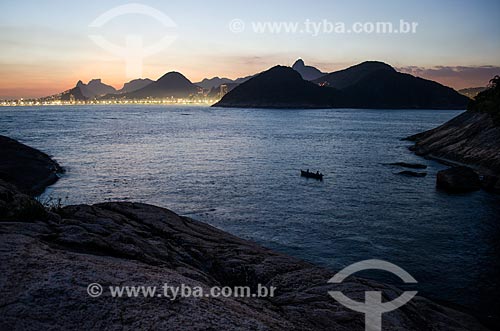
[47,262]
[27,168]
[49,257]
[458,180]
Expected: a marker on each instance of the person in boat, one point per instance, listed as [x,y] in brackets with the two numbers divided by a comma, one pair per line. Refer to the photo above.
[317,173]
[307,170]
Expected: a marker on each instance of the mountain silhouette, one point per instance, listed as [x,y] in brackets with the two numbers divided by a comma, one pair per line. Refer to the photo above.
[72,94]
[391,89]
[278,87]
[172,84]
[94,88]
[215,82]
[347,77]
[307,72]
[367,85]
[210,83]
[134,85]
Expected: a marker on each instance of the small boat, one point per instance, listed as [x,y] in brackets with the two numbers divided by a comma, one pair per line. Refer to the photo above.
[308,174]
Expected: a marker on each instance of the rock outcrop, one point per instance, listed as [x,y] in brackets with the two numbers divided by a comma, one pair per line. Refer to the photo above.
[27,168]
[472,138]
[491,183]
[46,264]
[458,180]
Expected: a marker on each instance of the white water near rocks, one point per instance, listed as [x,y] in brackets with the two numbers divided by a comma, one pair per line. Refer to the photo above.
[239,170]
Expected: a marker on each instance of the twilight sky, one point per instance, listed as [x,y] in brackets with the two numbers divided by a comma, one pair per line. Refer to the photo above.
[45,45]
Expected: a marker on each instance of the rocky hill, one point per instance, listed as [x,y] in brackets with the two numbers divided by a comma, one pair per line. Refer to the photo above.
[30,169]
[350,76]
[278,87]
[389,89]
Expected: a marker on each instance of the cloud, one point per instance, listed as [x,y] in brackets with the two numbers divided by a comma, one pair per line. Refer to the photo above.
[457,77]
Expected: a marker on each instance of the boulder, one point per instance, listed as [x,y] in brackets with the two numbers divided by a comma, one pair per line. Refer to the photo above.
[491,183]
[458,180]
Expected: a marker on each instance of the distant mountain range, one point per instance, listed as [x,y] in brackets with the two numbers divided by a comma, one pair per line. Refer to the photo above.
[135,85]
[369,84]
[216,82]
[171,85]
[95,88]
[209,83]
[83,91]
[366,85]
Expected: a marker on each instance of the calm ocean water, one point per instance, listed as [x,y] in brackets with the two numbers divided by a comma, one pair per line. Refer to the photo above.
[239,171]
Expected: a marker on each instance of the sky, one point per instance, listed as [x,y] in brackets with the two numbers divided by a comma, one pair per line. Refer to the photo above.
[47,46]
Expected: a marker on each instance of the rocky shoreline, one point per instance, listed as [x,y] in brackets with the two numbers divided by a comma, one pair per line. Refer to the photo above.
[469,139]
[472,139]
[30,169]
[50,255]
